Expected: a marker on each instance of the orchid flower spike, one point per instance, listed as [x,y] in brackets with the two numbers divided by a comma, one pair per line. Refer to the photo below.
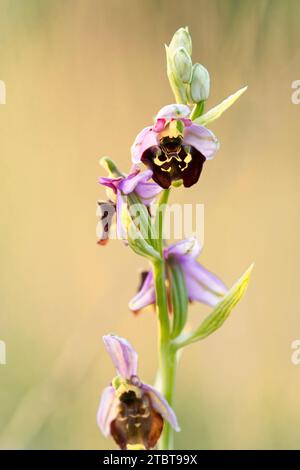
[136,182]
[175,148]
[202,285]
[130,411]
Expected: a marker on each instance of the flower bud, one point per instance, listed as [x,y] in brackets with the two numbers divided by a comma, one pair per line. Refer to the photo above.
[109,165]
[179,64]
[180,39]
[200,83]
[182,65]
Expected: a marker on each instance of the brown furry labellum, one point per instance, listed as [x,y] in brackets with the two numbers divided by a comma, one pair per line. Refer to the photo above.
[137,423]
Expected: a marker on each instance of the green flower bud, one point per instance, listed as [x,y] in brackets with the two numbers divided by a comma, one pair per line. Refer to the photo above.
[177,85]
[182,65]
[109,165]
[200,83]
[180,39]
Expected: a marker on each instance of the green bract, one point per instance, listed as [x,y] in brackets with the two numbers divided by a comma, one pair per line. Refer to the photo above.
[218,110]
[220,313]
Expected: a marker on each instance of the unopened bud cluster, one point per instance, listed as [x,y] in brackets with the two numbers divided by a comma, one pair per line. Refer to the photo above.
[190,83]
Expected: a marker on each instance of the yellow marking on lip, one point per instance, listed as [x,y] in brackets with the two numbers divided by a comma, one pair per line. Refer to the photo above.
[187,160]
[157,161]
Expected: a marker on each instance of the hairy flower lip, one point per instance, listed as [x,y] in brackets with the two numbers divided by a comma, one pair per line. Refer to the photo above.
[200,142]
[125,360]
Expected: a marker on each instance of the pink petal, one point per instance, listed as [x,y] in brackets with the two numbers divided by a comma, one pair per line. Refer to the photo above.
[161,405]
[202,275]
[199,293]
[108,410]
[148,191]
[190,248]
[130,183]
[111,183]
[202,139]
[145,296]
[159,124]
[145,139]
[173,111]
[123,355]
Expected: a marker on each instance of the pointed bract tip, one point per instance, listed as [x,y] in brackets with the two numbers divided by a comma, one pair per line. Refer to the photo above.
[250,269]
[241,91]
[243,281]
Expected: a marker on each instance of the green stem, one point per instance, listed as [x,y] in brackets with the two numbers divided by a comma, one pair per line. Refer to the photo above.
[198,110]
[167,354]
[161,302]
[159,221]
[168,373]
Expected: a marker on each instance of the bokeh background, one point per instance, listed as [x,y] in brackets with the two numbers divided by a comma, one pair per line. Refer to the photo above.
[83,77]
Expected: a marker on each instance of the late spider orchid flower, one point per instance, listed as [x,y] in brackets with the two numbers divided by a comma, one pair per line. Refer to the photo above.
[174,148]
[136,182]
[202,285]
[131,411]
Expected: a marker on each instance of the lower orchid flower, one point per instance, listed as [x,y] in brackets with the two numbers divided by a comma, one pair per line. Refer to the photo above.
[174,148]
[202,285]
[136,182]
[130,411]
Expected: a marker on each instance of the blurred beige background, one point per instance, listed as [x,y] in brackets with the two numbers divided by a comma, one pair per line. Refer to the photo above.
[83,77]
